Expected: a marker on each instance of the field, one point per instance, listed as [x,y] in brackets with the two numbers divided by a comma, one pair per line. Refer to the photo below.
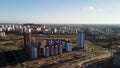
[14,42]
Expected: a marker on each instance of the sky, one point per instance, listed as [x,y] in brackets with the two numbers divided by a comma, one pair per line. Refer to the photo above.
[60,11]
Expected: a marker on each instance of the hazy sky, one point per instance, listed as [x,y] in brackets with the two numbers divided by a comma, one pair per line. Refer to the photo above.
[60,11]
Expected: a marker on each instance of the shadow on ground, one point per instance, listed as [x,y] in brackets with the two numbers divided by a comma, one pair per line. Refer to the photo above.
[12,57]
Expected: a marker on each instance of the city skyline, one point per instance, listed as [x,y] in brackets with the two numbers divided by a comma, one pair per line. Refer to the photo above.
[60,11]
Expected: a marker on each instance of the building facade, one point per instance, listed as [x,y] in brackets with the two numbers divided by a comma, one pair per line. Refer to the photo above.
[81,39]
[2,34]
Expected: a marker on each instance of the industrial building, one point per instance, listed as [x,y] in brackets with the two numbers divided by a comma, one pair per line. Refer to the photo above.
[33,48]
[81,39]
[56,46]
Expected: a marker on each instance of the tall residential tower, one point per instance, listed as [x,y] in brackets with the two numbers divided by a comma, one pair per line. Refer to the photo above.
[81,39]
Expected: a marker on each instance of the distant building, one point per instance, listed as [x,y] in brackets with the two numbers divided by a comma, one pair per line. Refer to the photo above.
[81,39]
[61,31]
[116,58]
[11,27]
[2,34]
[71,31]
[55,30]
[108,30]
